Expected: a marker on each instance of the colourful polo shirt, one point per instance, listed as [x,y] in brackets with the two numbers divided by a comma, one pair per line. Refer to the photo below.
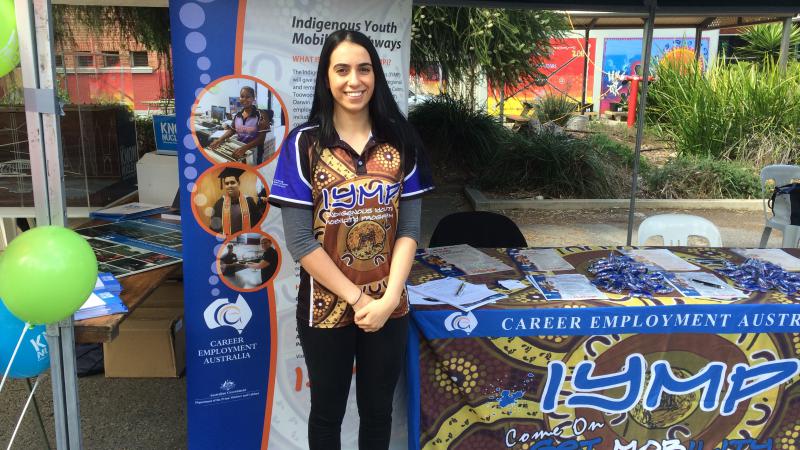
[246,129]
[355,201]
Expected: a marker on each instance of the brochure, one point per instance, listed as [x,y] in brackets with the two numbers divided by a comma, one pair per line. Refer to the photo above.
[539,260]
[571,286]
[660,259]
[512,285]
[702,284]
[774,255]
[100,303]
[467,259]
[108,282]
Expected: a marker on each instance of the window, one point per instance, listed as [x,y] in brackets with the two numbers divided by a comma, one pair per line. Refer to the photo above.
[59,60]
[85,60]
[139,59]
[110,59]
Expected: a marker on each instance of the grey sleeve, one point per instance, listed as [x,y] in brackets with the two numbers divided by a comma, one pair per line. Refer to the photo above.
[297,224]
[408,222]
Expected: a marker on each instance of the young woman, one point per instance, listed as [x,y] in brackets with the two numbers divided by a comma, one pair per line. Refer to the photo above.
[348,182]
[248,126]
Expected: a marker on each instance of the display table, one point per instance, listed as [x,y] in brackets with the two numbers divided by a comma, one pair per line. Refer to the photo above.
[135,290]
[636,373]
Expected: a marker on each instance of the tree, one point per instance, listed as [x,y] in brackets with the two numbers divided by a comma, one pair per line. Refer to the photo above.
[764,41]
[507,46]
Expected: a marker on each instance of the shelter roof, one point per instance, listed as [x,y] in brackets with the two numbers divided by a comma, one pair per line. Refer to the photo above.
[616,13]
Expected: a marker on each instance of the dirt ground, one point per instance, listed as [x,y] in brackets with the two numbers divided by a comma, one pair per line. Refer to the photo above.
[609,226]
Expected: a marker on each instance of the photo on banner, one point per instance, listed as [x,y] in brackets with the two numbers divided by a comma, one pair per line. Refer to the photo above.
[247,384]
[239,119]
[229,199]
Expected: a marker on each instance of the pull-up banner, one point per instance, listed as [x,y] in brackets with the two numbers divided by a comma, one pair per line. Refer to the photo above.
[244,70]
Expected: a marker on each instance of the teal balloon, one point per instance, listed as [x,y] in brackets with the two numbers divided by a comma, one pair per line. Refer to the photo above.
[46,274]
[9,40]
[33,356]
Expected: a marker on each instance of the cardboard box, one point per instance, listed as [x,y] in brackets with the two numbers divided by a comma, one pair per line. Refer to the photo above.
[168,295]
[151,344]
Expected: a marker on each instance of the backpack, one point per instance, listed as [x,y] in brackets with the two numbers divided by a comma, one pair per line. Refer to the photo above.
[788,193]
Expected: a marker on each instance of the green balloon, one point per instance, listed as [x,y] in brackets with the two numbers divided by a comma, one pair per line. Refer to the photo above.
[46,274]
[9,41]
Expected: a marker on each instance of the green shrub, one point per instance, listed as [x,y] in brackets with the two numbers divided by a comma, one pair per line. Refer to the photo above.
[553,165]
[714,114]
[764,41]
[557,166]
[454,133]
[145,138]
[554,108]
[696,178]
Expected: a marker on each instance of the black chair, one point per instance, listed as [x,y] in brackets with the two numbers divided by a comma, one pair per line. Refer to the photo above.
[478,229]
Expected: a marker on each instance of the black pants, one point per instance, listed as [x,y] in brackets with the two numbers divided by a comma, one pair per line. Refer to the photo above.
[329,357]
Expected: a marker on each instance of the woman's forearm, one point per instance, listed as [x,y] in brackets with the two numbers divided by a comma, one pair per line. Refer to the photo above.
[322,268]
[402,258]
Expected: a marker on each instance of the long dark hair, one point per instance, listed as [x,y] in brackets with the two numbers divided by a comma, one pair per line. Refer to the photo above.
[388,122]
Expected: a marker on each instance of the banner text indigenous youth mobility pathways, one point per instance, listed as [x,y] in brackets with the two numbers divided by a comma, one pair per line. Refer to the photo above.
[314,31]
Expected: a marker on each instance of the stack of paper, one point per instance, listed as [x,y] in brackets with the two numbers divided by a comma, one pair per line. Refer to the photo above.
[464,296]
[104,299]
[128,211]
[100,303]
[107,281]
[570,286]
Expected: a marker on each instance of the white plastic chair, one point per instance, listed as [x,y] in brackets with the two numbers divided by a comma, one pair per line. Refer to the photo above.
[676,229]
[779,174]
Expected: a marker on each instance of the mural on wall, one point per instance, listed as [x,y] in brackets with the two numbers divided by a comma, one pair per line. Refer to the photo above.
[562,75]
[623,56]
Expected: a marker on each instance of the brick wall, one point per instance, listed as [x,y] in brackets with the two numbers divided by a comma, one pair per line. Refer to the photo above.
[97,81]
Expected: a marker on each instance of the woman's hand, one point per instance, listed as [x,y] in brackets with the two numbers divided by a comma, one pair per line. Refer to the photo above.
[363,301]
[240,152]
[214,144]
[373,316]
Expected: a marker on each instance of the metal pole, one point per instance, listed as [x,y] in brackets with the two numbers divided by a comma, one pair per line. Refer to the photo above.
[47,173]
[648,43]
[698,43]
[585,69]
[783,59]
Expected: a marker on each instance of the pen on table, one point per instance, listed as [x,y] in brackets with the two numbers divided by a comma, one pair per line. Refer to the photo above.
[706,283]
[460,288]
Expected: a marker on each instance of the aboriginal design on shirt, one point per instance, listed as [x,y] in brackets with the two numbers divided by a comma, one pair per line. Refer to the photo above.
[355,201]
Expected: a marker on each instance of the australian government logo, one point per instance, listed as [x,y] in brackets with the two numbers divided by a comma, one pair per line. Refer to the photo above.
[228,392]
[221,313]
[460,321]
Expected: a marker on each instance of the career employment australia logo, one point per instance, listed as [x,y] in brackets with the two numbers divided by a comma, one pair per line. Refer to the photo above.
[465,322]
[222,313]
